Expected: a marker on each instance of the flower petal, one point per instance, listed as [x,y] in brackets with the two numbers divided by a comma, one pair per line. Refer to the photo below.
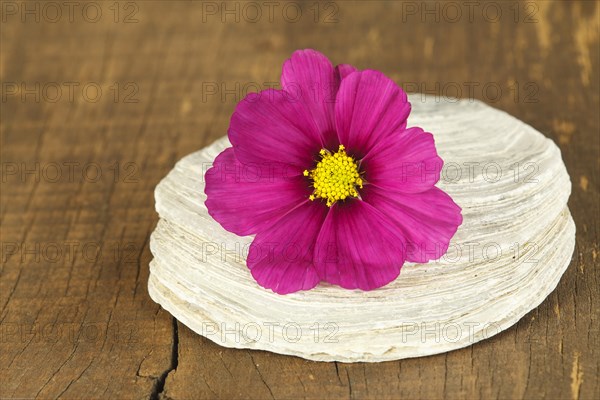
[369,107]
[406,162]
[358,248]
[310,77]
[343,70]
[244,198]
[281,257]
[270,126]
[428,220]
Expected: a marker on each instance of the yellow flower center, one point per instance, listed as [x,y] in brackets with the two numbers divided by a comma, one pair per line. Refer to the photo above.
[335,177]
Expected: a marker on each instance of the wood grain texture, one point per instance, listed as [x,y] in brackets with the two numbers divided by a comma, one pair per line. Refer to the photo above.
[76,319]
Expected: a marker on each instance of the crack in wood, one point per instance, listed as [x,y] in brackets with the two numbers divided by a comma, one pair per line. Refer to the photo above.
[159,385]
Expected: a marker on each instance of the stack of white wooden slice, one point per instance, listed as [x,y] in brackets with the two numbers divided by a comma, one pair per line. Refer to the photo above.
[515,243]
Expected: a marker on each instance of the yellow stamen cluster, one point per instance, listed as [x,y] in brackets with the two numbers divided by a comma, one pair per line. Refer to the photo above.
[335,177]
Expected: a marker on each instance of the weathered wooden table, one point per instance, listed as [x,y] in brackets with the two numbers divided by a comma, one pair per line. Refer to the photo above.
[100,99]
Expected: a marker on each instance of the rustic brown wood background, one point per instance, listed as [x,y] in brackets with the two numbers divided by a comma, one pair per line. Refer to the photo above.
[76,319]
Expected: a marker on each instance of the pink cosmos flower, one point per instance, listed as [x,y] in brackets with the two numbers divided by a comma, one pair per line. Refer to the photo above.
[328,177]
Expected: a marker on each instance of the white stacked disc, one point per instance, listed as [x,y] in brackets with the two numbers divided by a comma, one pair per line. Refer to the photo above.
[515,243]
